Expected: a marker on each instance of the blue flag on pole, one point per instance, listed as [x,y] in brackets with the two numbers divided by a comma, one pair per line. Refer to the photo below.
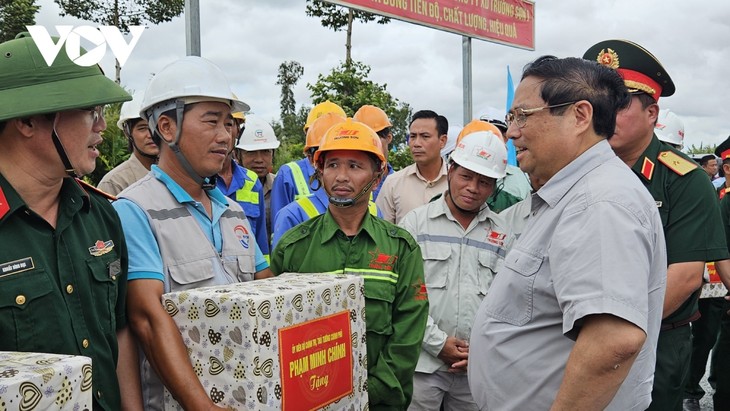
[511,153]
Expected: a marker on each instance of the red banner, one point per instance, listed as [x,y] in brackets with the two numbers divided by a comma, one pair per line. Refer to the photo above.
[316,362]
[510,22]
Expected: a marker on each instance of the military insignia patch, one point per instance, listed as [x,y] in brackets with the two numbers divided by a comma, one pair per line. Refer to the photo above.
[101,247]
[676,163]
[4,206]
[609,58]
[647,168]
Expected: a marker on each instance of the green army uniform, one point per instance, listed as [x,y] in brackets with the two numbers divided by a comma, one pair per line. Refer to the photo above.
[687,205]
[690,215]
[63,290]
[721,358]
[390,262]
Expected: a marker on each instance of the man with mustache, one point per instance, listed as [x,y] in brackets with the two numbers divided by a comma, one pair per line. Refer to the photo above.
[182,231]
[349,163]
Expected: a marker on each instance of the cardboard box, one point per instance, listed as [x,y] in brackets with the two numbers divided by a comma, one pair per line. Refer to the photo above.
[39,381]
[293,342]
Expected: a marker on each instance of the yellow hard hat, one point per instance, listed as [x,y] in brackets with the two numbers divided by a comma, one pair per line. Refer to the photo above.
[323,108]
[374,117]
[350,135]
[319,127]
[477,125]
[239,115]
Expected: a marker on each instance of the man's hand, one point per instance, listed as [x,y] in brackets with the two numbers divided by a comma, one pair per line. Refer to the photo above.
[455,354]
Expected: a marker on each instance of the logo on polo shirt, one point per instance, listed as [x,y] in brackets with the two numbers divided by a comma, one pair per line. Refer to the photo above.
[242,235]
[101,247]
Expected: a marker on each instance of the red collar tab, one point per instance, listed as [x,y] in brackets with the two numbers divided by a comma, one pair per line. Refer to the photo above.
[647,168]
[4,206]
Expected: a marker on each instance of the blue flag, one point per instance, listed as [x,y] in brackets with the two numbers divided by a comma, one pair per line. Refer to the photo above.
[511,153]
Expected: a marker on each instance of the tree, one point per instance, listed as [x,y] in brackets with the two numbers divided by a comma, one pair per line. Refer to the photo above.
[349,86]
[337,17]
[122,13]
[14,16]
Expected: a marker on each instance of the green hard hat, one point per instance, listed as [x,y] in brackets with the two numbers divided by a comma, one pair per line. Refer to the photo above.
[28,86]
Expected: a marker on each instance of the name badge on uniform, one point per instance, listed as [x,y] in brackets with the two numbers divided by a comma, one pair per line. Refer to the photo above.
[659,204]
[17,266]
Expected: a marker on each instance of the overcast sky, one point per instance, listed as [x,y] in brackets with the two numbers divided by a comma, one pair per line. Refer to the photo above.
[248,39]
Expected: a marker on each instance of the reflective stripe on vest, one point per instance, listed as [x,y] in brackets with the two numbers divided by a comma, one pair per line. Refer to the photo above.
[299,181]
[311,210]
[246,194]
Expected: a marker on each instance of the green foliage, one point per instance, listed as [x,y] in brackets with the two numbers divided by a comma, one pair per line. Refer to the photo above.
[122,13]
[288,151]
[290,129]
[14,16]
[336,17]
[349,86]
[114,149]
[702,149]
[400,158]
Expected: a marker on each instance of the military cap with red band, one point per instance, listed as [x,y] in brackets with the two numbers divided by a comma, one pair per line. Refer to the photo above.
[640,70]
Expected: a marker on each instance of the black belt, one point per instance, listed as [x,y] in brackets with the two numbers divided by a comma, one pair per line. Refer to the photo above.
[670,326]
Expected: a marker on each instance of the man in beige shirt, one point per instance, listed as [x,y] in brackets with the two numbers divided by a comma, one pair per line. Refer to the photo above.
[144,150]
[418,183]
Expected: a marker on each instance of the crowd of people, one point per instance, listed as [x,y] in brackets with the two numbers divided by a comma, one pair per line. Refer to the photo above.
[571,282]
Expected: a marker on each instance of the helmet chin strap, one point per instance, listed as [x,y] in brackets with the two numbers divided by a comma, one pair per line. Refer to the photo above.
[349,202]
[128,133]
[206,183]
[462,210]
[70,170]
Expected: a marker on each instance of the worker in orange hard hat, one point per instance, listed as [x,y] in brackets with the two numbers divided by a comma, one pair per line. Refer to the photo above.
[375,118]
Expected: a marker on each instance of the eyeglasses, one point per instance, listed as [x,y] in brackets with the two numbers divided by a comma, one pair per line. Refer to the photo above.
[519,115]
[97,113]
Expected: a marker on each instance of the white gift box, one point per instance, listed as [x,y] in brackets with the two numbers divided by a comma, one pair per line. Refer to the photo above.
[292,342]
[39,381]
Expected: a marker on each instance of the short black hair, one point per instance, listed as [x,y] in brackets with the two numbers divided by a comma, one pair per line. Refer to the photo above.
[442,124]
[706,159]
[573,79]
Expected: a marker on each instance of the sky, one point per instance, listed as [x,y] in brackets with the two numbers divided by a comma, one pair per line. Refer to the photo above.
[422,66]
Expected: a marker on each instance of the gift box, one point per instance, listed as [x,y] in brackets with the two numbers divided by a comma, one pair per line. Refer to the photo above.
[39,381]
[292,342]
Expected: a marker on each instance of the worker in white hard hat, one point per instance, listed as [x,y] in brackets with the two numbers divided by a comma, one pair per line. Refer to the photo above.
[255,151]
[669,128]
[144,150]
[181,231]
[243,186]
[463,244]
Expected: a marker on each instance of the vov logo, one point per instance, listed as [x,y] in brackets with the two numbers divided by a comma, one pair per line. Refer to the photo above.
[71,36]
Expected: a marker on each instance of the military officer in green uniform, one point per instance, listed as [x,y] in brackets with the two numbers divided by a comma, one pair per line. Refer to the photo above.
[348,239]
[686,202]
[63,259]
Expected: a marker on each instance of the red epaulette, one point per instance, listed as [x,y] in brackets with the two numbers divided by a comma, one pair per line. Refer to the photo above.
[88,187]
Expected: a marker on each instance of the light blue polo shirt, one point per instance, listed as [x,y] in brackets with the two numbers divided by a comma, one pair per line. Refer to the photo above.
[145,261]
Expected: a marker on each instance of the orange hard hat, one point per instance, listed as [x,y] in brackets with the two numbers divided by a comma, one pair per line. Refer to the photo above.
[320,109]
[351,135]
[319,127]
[478,125]
[374,117]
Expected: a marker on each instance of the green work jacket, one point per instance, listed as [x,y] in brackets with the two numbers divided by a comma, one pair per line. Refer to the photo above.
[396,304]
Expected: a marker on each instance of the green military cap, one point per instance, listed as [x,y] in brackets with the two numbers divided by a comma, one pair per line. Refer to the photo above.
[640,70]
[28,86]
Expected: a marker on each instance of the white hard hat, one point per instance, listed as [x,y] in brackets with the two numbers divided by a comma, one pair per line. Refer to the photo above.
[451,137]
[482,152]
[669,128]
[257,135]
[191,79]
[130,109]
